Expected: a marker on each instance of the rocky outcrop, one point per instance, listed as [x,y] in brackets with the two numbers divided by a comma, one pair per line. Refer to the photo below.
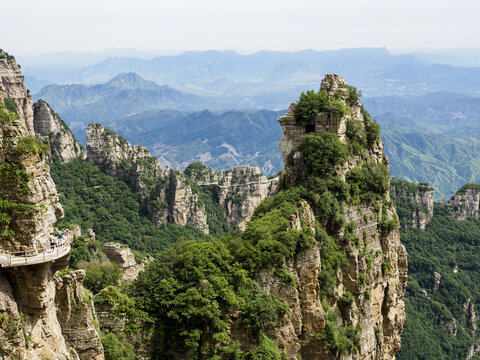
[12,87]
[76,315]
[465,203]
[414,203]
[238,191]
[29,207]
[123,257]
[368,296]
[52,130]
[165,192]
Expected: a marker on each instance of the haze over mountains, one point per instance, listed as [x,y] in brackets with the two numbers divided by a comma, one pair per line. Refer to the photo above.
[429,112]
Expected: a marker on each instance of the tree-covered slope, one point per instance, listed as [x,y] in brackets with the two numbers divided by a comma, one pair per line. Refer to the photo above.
[220,140]
[444,162]
[93,199]
[443,292]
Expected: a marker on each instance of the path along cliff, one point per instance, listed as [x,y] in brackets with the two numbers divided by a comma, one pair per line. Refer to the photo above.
[29,325]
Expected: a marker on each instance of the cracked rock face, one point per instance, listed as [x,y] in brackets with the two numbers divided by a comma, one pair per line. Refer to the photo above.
[418,197]
[52,130]
[376,275]
[465,204]
[238,190]
[30,328]
[76,315]
[165,192]
[124,258]
[12,86]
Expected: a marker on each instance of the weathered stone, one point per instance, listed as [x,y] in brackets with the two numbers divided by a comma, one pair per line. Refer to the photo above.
[123,257]
[238,190]
[380,259]
[27,293]
[465,204]
[76,315]
[436,284]
[50,129]
[420,197]
[165,192]
[12,87]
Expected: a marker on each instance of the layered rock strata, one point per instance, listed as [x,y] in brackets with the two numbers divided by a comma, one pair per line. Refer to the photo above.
[368,295]
[415,201]
[52,130]
[29,327]
[12,86]
[238,191]
[124,258]
[465,203]
[165,192]
[76,315]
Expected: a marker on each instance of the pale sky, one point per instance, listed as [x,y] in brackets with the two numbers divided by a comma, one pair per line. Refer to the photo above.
[41,26]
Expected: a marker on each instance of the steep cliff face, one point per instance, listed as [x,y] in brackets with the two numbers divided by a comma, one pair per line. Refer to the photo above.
[238,191]
[367,299]
[165,192]
[12,86]
[414,203]
[29,327]
[29,209]
[76,315]
[52,130]
[465,203]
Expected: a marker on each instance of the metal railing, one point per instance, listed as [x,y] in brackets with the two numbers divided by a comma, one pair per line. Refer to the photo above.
[33,255]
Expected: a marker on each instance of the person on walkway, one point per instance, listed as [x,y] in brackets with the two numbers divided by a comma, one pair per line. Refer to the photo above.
[34,245]
[52,242]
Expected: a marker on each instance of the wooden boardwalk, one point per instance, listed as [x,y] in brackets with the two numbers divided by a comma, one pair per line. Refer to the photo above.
[32,256]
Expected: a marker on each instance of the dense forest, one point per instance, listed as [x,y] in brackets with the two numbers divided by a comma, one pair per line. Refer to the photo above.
[439,324]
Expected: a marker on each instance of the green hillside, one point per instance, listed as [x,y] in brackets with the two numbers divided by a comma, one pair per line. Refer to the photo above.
[438,325]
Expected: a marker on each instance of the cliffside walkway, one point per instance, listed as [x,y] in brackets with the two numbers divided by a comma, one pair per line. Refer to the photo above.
[32,256]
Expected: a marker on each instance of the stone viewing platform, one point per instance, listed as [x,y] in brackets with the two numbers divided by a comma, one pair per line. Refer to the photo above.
[34,256]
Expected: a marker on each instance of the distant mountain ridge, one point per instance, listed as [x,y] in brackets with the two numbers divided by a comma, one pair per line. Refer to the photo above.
[125,94]
[269,79]
[220,140]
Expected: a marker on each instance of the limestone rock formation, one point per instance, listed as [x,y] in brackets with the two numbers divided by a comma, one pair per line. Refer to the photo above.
[238,191]
[418,198]
[29,327]
[369,292]
[76,315]
[53,131]
[465,203]
[165,192]
[123,257]
[12,86]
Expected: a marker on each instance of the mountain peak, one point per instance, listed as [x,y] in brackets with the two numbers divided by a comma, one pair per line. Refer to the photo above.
[131,80]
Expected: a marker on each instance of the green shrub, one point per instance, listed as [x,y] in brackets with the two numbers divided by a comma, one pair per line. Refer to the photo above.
[322,153]
[11,105]
[309,105]
[116,347]
[368,182]
[28,144]
[312,103]
[267,350]
[348,298]
[99,275]
[339,339]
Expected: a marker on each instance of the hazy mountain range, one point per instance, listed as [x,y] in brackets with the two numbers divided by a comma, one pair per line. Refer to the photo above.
[270,80]
[429,136]
[125,94]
